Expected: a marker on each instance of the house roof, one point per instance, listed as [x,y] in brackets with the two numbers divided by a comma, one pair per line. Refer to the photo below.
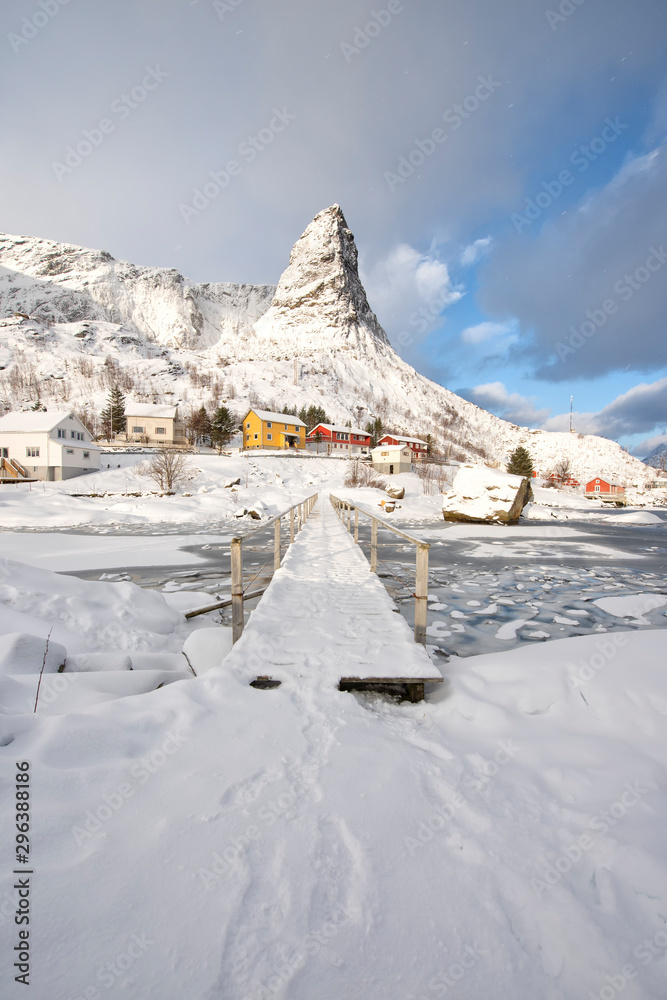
[341,430]
[279,418]
[401,437]
[386,447]
[34,421]
[150,410]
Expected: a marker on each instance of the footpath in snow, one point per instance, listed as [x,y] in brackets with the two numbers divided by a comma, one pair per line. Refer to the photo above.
[325,617]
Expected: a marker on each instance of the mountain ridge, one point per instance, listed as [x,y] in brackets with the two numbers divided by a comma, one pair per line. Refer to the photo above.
[89,319]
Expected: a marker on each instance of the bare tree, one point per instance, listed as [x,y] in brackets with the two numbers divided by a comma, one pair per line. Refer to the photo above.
[363,474]
[563,469]
[168,469]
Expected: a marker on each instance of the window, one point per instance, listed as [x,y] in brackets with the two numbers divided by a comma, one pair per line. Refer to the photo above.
[255,437]
[269,437]
[597,487]
[72,434]
[61,433]
[296,428]
[269,424]
[86,454]
[247,437]
[137,430]
[79,436]
[70,451]
[286,427]
[160,430]
[248,426]
[32,453]
[5,453]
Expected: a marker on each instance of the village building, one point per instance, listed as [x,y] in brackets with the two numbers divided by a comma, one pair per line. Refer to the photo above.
[604,489]
[418,447]
[342,441]
[45,445]
[264,429]
[392,460]
[153,424]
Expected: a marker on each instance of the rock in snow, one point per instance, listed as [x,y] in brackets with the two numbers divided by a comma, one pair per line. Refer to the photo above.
[482,494]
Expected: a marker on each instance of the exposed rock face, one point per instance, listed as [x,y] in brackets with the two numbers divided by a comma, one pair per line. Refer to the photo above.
[320,296]
[486,495]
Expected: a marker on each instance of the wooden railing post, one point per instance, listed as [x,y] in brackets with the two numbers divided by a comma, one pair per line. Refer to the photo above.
[356,524]
[421,593]
[237,589]
[374,545]
[349,512]
[276,545]
[291,525]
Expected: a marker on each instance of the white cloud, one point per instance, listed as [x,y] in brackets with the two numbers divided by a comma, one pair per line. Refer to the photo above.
[408,291]
[475,251]
[511,406]
[499,335]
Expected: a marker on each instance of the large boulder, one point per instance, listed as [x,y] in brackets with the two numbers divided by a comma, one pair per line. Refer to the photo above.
[486,495]
[395,492]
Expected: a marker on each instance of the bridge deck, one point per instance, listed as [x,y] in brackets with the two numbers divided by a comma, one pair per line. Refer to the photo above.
[326,619]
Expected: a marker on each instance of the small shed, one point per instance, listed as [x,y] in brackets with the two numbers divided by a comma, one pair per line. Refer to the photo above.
[391,460]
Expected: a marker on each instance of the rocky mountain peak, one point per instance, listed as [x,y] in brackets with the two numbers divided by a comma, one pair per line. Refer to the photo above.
[320,294]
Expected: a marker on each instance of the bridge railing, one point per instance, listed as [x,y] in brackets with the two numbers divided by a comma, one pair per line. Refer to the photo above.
[344,510]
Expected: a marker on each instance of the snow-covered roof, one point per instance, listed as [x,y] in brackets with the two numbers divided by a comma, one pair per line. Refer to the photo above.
[150,410]
[388,447]
[280,418]
[401,437]
[34,421]
[341,430]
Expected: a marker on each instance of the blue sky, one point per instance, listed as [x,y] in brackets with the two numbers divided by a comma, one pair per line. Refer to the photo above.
[205,135]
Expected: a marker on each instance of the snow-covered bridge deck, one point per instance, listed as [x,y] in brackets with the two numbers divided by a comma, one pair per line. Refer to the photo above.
[326,619]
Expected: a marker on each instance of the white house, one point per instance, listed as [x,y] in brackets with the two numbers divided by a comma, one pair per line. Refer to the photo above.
[150,423]
[49,445]
[391,460]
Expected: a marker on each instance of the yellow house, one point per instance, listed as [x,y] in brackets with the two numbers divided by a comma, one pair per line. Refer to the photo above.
[263,429]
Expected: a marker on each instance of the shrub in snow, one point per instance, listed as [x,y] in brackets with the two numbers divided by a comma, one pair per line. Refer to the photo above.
[168,469]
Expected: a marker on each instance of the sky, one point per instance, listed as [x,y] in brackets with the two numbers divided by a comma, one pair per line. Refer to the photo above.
[503,167]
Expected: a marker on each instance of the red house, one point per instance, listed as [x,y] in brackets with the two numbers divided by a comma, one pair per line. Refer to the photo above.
[418,447]
[569,481]
[597,486]
[343,441]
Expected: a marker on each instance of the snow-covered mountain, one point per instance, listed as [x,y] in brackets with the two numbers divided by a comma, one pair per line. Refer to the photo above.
[658,457]
[73,321]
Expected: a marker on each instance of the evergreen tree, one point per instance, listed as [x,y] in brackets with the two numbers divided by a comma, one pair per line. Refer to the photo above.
[113,416]
[375,429]
[223,426]
[201,425]
[520,463]
[315,415]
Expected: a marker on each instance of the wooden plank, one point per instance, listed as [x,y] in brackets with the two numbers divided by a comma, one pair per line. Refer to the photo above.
[421,594]
[222,604]
[237,589]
